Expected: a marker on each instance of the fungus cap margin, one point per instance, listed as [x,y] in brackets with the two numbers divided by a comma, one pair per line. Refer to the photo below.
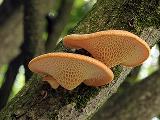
[111,47]
[69,69]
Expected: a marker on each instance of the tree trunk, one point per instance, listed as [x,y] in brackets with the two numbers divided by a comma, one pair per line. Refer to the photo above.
[11,29]
[38,101]
[141,102]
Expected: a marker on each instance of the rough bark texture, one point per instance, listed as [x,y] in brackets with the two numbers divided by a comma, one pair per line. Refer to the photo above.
[141,102]
[38,101]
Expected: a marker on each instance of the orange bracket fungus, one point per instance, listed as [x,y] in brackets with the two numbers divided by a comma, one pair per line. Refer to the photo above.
[112,47]
[54,84]
[69,70]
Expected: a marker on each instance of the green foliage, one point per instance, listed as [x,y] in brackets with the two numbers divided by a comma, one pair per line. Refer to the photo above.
[80,95]
[3,69]
[19,83]
[150,65]
[80,8]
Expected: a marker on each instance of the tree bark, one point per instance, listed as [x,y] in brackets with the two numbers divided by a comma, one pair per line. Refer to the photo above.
[38,101]
[141,102]
[11,29]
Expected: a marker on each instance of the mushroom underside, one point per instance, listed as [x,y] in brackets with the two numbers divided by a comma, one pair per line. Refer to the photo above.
[69,70]
[111,47]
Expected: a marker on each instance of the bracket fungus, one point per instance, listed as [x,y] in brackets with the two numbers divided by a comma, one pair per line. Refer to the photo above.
[53,83]
[69,70]
[112,47]
[108,48]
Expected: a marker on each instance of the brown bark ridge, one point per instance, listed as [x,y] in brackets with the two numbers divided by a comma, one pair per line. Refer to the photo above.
[141,102]
[38,101]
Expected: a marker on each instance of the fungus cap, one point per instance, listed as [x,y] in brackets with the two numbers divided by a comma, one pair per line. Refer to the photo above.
[111,47]
[54,84]
[69,70]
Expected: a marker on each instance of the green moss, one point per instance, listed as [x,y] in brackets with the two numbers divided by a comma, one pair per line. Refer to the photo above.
[117,70]
[85,96]
[130,15]
[147,14]
[80,95]
[22,99]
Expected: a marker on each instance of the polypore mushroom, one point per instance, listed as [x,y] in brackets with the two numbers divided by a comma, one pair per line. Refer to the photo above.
[54,84]
[111,47]
[69,70]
